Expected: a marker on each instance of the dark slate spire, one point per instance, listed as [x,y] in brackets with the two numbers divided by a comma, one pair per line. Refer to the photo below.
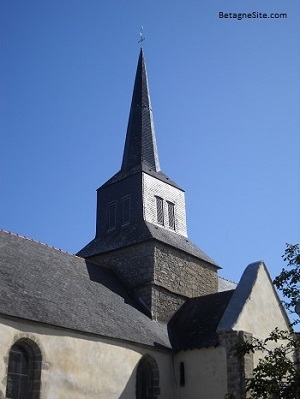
[140,145]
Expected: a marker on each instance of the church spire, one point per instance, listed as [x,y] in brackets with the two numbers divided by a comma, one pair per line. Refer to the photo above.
[140,145]
[141,230]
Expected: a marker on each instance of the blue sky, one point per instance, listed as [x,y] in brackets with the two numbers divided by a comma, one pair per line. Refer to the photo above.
[226,100]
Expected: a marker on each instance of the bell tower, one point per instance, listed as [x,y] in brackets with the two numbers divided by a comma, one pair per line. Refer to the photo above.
[141,230]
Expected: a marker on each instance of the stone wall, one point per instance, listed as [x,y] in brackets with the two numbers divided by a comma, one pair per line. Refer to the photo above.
[182,273]
[134,264]
[159,303]
[161,276]
[238,369]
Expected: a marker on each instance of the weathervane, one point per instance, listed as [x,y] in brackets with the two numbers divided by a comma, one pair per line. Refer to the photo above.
[141,36]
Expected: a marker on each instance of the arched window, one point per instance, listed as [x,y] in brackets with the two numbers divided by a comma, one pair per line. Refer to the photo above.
[147,379]
[24,370]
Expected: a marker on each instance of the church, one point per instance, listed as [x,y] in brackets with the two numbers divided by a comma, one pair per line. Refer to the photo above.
[138,313]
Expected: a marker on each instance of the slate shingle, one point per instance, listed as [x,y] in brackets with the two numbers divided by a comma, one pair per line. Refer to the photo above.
[196,322]
[138,233]
[45,285]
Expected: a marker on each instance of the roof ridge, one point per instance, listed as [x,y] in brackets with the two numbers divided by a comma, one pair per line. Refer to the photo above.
[38,242]
[227,279]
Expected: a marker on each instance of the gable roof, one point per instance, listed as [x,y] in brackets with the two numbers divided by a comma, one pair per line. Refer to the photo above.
[255,295]
[43,284]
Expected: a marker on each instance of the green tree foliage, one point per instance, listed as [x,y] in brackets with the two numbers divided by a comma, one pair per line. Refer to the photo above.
[288,281]
[277,375]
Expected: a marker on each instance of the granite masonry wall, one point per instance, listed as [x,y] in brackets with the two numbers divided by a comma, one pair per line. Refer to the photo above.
[238,369]
[134,264]
[160,303]
[182,273]
[160,276]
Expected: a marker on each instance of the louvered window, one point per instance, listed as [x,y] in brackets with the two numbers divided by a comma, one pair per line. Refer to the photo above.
[160,210]
[112,217]
[171,215]
[126,210]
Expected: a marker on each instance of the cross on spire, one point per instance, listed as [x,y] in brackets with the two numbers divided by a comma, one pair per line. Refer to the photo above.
[141,37]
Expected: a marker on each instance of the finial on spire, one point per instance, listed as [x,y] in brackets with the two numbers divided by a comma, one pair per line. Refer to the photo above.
[141,36]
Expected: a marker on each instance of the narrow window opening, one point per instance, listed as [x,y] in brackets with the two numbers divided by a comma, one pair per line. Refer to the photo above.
[160,210]
[171,215]
[182,374]
[125,210]
[112,218]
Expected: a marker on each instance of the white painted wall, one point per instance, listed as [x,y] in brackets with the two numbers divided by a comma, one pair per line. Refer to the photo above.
[205,374]
[77,366]
[81,367]
[262,311]
[256,306]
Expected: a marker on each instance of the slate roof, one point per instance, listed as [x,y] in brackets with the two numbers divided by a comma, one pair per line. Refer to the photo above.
[46,285]
[140,168]
[140,155]
[137,233]
[140,150]
[225,285]
[140,144]
[43,284]
[196,322]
